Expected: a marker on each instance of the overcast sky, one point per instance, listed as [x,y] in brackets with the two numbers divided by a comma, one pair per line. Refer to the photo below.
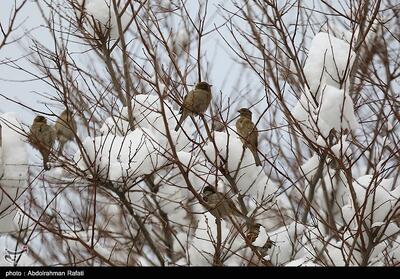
[20,86]
[15,83]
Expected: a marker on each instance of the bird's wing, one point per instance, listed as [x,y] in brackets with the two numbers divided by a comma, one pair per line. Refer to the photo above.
[187,101]
[183,104]
[254,137]
[226,201]
[49,135]
[246,127]
[201,100]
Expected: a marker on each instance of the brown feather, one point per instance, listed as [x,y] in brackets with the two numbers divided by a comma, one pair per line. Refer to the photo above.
[248,135]
[196,102]
[42,137]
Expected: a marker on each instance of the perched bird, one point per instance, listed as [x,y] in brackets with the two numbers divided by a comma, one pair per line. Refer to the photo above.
[195,102]
[248,133]
[220,205]
[65,129]
[42,137]
[253,232]
[263,250]
[252,235]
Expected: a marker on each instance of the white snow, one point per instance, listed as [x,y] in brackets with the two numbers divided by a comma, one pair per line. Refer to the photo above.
[14,168]
[262,238]
[118,157]
[102,11]
[115,125]
[179,42]
[310,167]
[378,203]
[342,149]
[202,248]
[326,105]
[378,200]
[304,113]
[251,180]
[329,62]
[336,111]
[297,262]
[286,240]
[147,113]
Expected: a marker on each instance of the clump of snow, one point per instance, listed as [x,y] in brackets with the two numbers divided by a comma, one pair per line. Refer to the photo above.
[377,199]
[333,254]
[119,157]
[336,111]
[342,148]
[115,126]
[310,167]
[170,200]
[304,113]
[202,245]
[147,113]
[229,149]
[286,241]
[250,179]
[262,238]
[319,249]
[179,42]
[329,62]
[297,263]
[326,104]
[198,173]
[101,14]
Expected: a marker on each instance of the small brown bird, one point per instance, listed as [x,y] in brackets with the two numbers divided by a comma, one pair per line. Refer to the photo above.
[65,129]
[253,232]
[248,133]
[195,102]
[263,250]
[220,205]
[42,137]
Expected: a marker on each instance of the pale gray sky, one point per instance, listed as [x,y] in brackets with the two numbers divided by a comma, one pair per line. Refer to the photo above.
[21,87]
[15,83]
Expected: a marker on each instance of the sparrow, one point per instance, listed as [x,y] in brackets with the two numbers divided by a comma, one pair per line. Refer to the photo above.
[253,232]
[220,205]
[195,102]
[248,133]
[65,128]
[263,250]
[42,137]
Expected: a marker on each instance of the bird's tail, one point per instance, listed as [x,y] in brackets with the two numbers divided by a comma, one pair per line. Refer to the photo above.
[45,155]
[61,148]
[45,163]
[256,158]
[183,117]
[177,127]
